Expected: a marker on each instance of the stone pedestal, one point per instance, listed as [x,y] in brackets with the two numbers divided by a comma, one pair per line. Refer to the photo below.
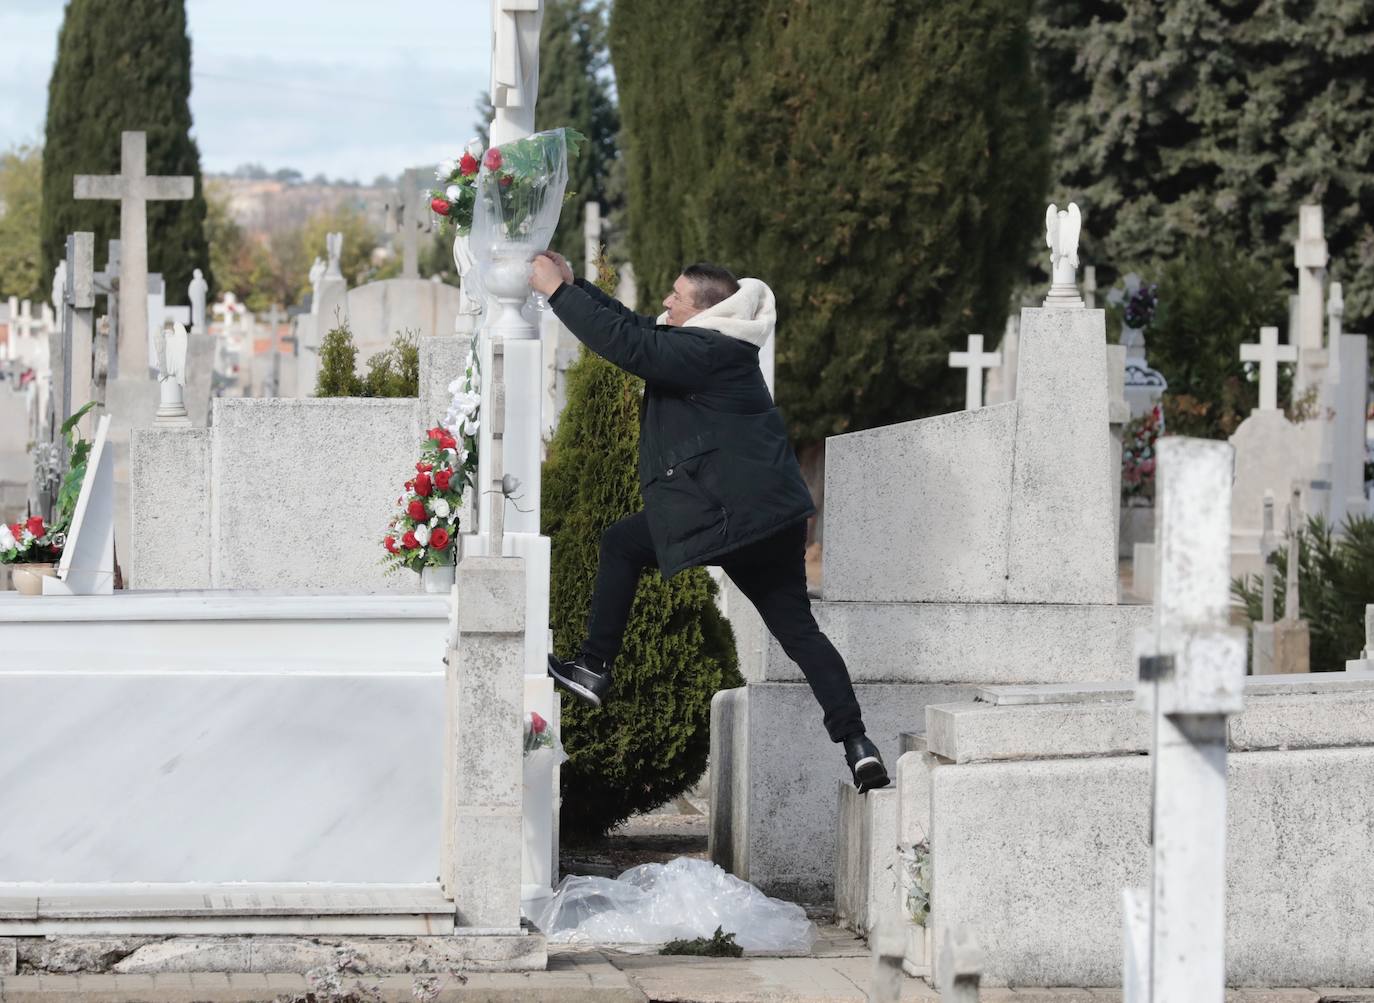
[484,713]
[1281,648]
[132,404]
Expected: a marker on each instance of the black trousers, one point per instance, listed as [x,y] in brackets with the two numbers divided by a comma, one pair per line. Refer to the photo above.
[770,572]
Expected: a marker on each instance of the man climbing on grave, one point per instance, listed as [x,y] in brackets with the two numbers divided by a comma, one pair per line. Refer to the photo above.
[721,484]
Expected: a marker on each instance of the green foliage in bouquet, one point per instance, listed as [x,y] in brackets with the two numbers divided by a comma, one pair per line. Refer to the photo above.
[719,945]
[649,743]
[33,539]
[1335,581]
[517,175]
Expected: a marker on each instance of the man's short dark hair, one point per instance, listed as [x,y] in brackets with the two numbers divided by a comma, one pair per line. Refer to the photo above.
[711,283]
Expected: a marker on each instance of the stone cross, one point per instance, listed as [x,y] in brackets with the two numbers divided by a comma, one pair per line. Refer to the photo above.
[196,293]
[78,327]
[514,67]
[975,360]
[1192,674]
[107,285]
[1062,227]
[1268,353]
[1309,255]
[1268,548]
[592,228]
[134,189]
[409,217]
[26,325]
[1292,600]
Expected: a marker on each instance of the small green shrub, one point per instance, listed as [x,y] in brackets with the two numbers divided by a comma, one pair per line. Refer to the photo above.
[1336,582]
[392,373]
[338,362]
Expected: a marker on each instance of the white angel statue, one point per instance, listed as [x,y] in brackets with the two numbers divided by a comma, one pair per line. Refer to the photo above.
[1062,227]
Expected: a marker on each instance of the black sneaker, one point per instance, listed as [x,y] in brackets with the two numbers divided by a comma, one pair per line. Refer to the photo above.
[581,680]
[865,762]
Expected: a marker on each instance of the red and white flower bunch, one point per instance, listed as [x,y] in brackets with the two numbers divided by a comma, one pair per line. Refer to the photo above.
[538,734]
[453,202]
[423,531]
[31,542]
[1138,454]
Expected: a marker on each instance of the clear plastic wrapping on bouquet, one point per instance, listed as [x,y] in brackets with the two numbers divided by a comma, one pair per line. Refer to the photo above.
[681,900]
[520,191]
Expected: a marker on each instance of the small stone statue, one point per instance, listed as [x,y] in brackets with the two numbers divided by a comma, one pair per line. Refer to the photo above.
[1061,236]
[334,246]
[171,367]
[196,293]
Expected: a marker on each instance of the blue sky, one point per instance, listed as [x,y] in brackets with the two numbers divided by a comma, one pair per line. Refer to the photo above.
[348,88]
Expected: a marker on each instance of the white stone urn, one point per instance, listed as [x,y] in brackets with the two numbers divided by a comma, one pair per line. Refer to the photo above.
[507,281]
[438,578]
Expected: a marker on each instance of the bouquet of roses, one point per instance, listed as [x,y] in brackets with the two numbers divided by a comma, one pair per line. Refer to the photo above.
[31,542]
[423,530]
[520,189]
[454,201]
[537,733]
[1138,454]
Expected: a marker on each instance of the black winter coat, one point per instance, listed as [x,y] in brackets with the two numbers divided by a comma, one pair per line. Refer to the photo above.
[715,466]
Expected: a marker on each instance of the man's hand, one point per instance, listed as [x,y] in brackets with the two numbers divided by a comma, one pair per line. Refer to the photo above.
[564,269]
[544,275]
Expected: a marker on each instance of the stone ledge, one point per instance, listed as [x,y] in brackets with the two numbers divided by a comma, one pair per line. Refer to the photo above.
[973,642]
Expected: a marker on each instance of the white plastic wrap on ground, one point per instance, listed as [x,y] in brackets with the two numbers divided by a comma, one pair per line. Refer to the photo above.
[680,900]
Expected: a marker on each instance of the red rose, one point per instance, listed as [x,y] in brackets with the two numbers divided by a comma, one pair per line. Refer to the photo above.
[506,179]
[537,723]
[443,478]
[438,539]
[439,205]
[436,433]
[17,530]
[416,510]
[423,485]
[468,165]
[492,161]
[448,442]
[35,525]
[410,485]
[390,544]
[408,541]
[424,468]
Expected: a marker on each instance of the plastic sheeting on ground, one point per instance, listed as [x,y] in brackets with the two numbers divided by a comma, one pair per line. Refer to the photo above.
[680,900]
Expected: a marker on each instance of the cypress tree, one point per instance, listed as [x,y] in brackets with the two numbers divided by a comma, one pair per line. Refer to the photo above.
[574,92]
[879,163]
[649,743]
[1187,120]
[123,66]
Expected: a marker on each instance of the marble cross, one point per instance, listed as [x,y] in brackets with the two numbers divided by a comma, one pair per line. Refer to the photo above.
[107,285]
[1310,257]
[975,360]
[514,67]
[1268,353]
[409,217]
[78,327]
[133,188]
[26,325]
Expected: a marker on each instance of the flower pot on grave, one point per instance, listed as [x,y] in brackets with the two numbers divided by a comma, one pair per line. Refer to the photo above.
[439,578]
[28,578]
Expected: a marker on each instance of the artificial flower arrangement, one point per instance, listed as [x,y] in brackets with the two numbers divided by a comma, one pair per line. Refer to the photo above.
[537,733]
[34,540]
[519,170]
[453,203]
[423,531]
[1138,454]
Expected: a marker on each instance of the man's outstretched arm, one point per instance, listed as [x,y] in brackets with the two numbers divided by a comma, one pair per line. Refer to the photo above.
[594,291]
[673,358]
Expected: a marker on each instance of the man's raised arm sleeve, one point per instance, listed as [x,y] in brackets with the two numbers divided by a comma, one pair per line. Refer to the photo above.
[671,358]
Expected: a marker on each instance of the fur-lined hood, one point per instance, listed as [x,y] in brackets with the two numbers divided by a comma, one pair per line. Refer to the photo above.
[749,315]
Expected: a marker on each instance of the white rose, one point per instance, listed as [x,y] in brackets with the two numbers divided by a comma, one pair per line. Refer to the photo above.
[456,387]
[440,508]
[7,540]
[470,426]
[474,147]
[422,535]
[452,192]
[446,168]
